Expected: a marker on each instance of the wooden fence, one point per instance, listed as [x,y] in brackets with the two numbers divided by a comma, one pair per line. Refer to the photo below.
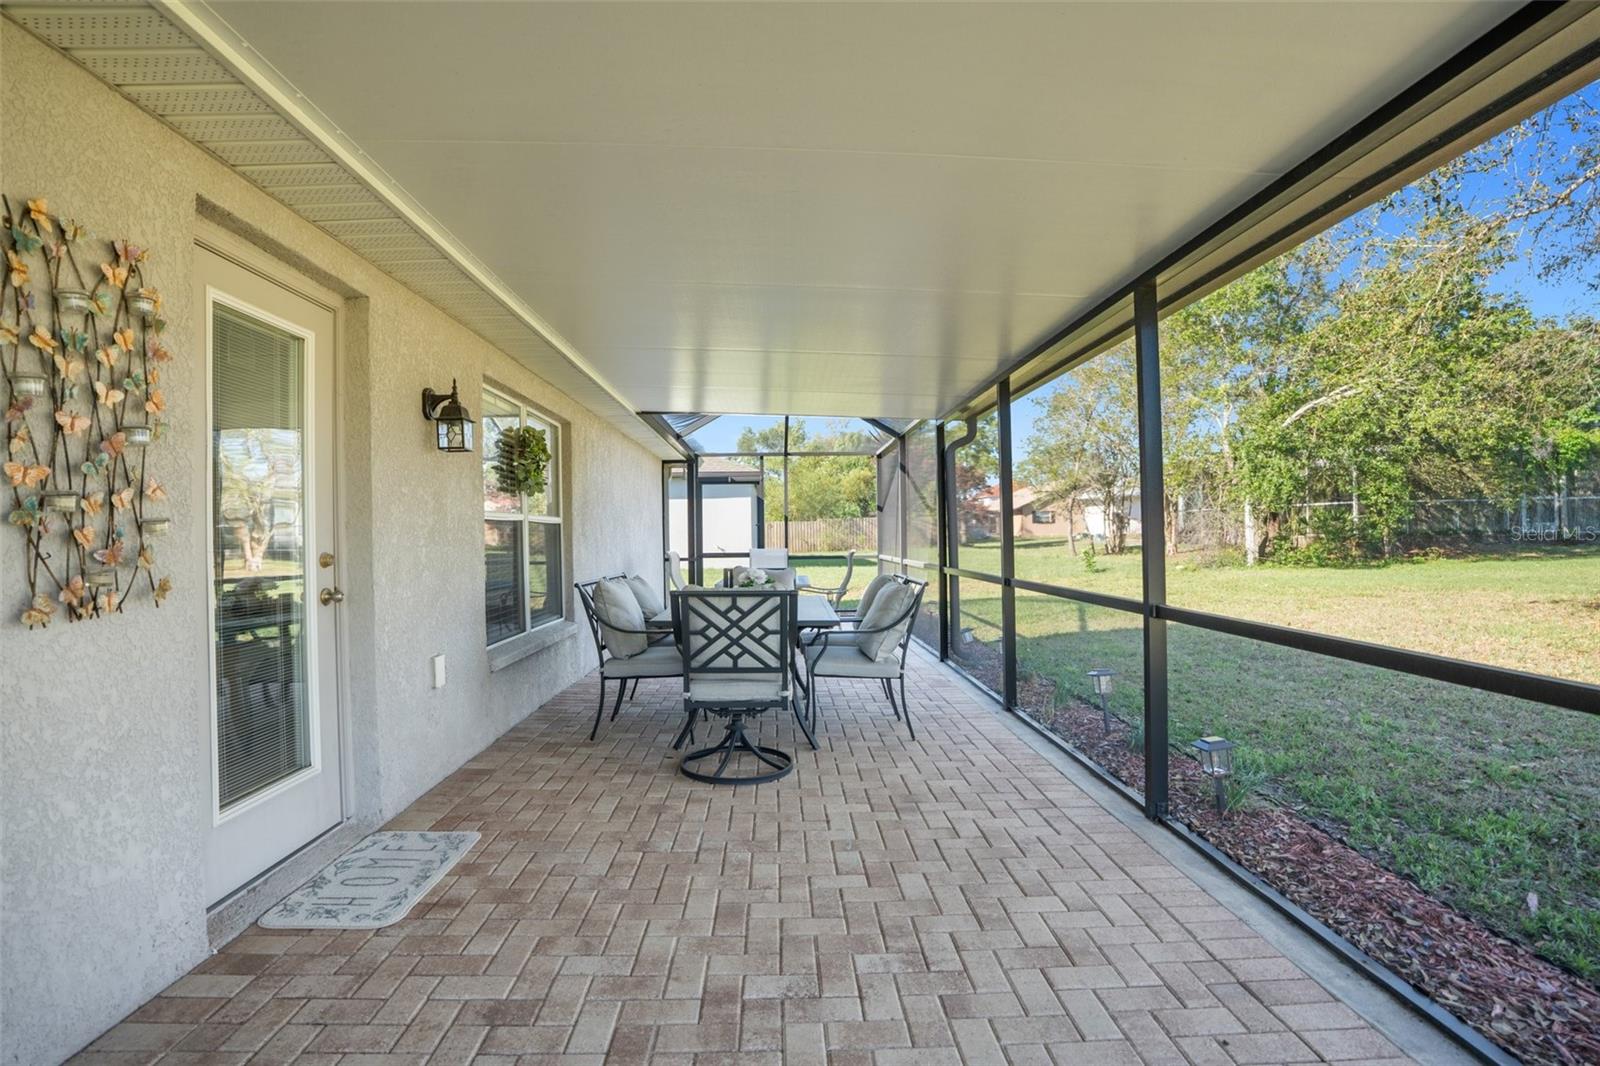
[827,534]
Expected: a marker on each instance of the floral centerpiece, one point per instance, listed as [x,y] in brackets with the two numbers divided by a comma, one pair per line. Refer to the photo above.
[754,578]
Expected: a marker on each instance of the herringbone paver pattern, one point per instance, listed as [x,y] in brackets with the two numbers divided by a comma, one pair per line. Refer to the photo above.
[950,900]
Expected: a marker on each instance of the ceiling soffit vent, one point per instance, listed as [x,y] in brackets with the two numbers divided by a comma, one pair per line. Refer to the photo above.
[182,64]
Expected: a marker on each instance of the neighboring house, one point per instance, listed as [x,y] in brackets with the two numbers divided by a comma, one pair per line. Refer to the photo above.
[1033,515]
[734,507]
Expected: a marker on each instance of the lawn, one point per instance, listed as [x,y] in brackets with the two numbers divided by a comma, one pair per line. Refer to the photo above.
[1480,799]
[1535,609]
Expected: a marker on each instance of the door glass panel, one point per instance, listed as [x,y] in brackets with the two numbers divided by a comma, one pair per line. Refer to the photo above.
[264,722]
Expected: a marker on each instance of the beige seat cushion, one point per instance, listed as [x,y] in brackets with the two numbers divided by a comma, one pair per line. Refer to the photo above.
[762,688]
[649,602]
[887,606]
[849,662]
[660,660]
[617,609]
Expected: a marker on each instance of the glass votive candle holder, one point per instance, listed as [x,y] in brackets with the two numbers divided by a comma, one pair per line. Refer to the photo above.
[155,527]
[72,301]
[29,385]
[136,436]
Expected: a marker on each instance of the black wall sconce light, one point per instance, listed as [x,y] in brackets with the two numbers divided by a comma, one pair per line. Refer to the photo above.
[449,417]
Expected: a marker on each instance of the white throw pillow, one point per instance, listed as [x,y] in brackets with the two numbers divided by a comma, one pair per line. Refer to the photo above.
[887,606]
[782,579]
[875,586]
[649,602]
[616,606]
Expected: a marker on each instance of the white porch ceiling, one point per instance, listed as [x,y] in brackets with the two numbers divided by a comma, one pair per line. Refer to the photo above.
[814,208]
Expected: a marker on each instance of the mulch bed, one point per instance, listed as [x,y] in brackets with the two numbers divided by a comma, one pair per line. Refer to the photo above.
[1533,1008]
[1528,1005]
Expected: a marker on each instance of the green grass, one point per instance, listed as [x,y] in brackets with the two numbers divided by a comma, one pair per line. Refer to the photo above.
[1481,799]
[1535,610]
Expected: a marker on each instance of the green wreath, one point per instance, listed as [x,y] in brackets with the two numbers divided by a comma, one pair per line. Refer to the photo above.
[521,459]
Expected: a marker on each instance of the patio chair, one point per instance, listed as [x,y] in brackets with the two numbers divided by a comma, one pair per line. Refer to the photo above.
[769,558]
[675,570]
[834,594]
[875,649]
[628,650]
[736,649]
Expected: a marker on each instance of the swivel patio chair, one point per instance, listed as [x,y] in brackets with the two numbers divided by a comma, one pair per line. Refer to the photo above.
[628,650]
[875,649]
[736,648]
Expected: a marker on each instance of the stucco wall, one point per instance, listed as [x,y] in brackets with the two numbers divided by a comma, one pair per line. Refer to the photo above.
[104,782]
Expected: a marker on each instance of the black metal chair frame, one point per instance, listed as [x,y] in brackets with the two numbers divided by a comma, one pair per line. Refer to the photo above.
[834,594]
[819,643]
[741,642]
[586,594]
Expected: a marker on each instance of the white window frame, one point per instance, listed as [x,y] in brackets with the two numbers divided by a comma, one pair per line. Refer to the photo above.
[528,414]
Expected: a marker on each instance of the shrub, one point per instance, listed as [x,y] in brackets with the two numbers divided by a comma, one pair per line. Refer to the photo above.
[1333,538]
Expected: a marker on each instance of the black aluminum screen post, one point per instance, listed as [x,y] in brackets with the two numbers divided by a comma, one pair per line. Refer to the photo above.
[941,501]
[696,534]
[761,507]
[1008,592]
[1152,547]
[952,522]
[666,520]
[904,467]
[786,481]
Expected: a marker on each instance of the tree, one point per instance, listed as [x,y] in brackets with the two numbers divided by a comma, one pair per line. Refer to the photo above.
[1218,355]
[819,485]
[1085,444]
[1386,362]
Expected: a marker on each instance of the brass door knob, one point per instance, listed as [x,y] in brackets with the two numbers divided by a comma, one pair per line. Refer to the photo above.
[331,596]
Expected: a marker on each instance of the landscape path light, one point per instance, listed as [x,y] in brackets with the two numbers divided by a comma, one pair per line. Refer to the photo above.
[1216,762]
[1101,676]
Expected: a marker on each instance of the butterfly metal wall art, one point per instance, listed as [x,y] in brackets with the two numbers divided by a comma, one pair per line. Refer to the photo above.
[81,350]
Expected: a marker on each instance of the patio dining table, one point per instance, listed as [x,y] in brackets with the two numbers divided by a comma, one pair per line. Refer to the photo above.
[811,612]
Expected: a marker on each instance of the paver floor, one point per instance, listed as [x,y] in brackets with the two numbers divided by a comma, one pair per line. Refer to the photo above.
[952,899]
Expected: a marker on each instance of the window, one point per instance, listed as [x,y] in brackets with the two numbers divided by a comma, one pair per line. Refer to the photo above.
[523,588]
[1044,518]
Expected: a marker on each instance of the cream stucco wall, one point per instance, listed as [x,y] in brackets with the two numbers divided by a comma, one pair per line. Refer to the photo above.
[104,779]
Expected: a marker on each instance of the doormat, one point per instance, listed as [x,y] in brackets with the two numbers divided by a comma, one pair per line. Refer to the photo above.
[373,884]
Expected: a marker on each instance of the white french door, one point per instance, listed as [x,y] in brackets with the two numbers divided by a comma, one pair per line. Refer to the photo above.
[275,744]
